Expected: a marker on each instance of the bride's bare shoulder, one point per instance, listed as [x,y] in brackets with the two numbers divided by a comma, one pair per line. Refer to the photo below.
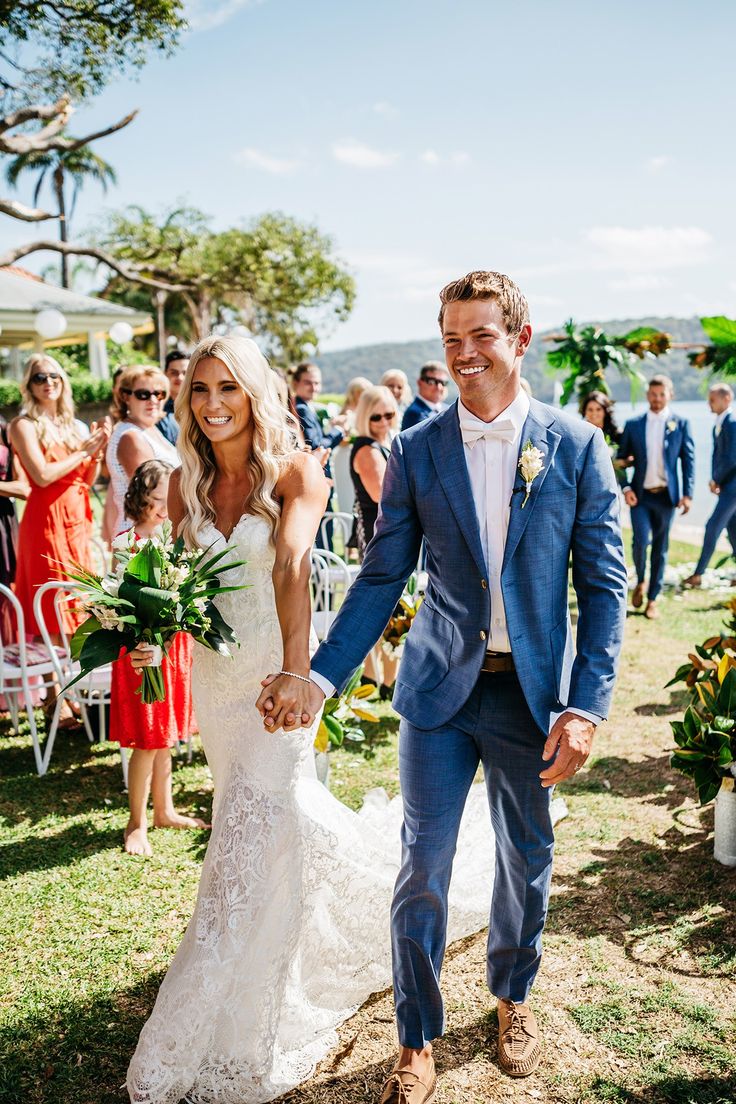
[299,471]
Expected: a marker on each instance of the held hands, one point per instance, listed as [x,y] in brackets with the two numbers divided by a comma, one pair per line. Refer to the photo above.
[571,738]
[288,702]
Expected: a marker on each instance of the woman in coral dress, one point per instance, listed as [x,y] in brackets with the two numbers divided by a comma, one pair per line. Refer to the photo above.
[61,464]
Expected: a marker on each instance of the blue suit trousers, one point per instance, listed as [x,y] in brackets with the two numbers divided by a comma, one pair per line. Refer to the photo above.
[651,520]
[723,517]
[495,728]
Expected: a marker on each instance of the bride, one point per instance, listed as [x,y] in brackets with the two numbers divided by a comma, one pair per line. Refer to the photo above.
[290,930]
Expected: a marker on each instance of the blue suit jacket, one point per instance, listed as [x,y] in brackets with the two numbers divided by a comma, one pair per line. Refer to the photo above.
[417,411]
[312,430]
[678,446]
[724,452]
[572,507]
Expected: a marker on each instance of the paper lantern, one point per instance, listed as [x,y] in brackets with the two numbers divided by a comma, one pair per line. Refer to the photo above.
[121,332]
[50,323]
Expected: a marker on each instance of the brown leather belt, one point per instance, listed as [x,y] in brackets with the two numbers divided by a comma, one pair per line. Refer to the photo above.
[496,663]
[655,490]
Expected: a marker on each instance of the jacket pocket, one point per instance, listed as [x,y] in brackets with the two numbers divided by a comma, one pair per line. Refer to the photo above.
[426,659]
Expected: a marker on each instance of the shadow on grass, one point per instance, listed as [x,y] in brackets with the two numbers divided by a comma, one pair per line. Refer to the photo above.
[678,703]
[650,778]
[63,849]
[669,1090]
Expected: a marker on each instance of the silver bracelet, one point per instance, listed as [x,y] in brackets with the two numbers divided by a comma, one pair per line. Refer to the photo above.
[291,674]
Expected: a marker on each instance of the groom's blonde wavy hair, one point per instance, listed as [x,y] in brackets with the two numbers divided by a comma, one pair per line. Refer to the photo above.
[273,435]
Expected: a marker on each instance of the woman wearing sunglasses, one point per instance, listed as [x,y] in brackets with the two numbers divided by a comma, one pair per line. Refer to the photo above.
[375,422]
[138,407]
[61,459]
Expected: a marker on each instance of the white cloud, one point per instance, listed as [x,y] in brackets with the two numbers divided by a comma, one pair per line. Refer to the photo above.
[656,164]
[458,158]
[204,15]
[649,248]
[361,156]
[277,165]
[642,281]
[386,109]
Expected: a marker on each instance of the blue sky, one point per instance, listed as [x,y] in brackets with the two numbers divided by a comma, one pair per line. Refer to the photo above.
[584,148]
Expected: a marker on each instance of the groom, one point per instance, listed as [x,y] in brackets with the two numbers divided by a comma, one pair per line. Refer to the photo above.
[490,672]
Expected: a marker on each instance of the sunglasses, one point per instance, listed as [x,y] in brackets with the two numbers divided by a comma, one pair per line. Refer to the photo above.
[143,395]
[381,417]
[44,377]
[433,379]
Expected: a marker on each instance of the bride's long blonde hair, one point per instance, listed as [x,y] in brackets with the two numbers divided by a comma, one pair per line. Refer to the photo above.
[273,435]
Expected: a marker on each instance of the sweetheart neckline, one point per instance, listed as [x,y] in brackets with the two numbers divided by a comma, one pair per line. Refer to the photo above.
[241,519]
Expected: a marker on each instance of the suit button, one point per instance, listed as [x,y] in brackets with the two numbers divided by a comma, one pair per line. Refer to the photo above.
[484,584]
[483,634]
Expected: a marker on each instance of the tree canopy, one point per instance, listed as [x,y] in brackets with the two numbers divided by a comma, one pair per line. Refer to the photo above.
[54,48]
[277,276]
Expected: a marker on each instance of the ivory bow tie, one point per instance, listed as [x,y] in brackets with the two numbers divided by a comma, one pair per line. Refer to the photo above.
[504,431]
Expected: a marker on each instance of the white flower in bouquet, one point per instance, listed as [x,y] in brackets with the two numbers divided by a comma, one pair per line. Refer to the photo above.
[107,618]
[124,542]
[111,584]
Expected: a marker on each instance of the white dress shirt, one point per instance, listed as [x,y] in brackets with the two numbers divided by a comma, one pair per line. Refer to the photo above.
[491,454]
[655,475]
[720,419]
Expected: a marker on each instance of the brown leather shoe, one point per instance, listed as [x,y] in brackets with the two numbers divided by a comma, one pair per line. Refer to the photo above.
[519,1052]
[637,598]
[693,582]
[651,612]
[404,1087]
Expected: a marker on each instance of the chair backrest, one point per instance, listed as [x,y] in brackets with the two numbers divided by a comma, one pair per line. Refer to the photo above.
[342,527]
[331,579]
[57,593]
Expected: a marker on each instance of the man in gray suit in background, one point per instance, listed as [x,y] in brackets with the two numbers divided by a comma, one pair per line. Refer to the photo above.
[503,490]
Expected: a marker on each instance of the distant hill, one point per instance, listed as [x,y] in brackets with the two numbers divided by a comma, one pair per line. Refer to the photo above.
[373,360]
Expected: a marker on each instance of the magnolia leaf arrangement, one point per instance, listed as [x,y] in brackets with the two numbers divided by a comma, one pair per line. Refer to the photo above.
[720,356]
[705,737]
[586,353]
[342,716]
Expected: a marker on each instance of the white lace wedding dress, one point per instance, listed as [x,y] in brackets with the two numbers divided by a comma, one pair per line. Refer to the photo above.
[290,933]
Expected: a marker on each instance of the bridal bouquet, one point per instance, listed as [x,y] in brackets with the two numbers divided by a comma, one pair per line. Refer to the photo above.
[157,589]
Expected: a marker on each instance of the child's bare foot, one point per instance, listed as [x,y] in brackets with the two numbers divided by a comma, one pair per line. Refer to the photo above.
[135,841]
[177,820]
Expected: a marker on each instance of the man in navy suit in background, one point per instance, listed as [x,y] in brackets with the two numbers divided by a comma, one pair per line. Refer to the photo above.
[432,387]
[661,445]
[723,479]
[307,382]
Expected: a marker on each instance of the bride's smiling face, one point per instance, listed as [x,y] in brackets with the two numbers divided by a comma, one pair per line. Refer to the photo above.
[219,404]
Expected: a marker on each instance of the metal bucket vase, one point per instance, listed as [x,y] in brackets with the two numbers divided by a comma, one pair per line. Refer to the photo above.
[724,844]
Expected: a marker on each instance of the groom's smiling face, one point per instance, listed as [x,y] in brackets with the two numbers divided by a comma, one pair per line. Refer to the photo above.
[482,356]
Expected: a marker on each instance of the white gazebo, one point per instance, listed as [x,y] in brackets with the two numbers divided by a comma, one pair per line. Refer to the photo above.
[24,296]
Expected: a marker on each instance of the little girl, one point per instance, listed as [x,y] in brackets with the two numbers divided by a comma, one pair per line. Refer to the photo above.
[152,730]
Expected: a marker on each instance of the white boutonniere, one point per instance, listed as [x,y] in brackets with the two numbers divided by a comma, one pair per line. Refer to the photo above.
[531,463]
[672,424]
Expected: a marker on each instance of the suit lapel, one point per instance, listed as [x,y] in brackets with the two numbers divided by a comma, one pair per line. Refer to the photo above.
[448,453]
[537,430]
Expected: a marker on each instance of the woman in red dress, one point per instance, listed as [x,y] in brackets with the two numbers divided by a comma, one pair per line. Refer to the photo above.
[61,462]
[152,730]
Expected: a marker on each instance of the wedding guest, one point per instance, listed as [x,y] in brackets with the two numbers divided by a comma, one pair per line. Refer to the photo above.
[61,459]
[287,401]
[597,408]
[13,484]
[663,452]
[151,730]
[141,395]
[340,458]
[376,414]
[307,384]
[353,391]
[398,385]
[175,369]
[432,388]
[722,482]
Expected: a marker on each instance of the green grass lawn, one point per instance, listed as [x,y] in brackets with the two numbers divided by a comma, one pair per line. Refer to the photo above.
[637,989]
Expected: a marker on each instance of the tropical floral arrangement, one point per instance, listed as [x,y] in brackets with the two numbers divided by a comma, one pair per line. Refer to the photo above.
[706,736]
[157,589]
[586,353]
[342,715]
[395,632]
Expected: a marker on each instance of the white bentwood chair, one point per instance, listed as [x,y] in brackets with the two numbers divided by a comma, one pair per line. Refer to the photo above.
[330,580]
